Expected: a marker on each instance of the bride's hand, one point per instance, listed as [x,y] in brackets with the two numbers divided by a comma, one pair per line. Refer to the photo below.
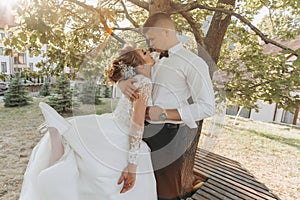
[128,89]
[128,176]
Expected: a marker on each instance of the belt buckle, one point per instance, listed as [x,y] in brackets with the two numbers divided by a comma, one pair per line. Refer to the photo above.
[172,126]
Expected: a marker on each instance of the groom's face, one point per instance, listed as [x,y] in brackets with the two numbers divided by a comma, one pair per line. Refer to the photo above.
[157,38]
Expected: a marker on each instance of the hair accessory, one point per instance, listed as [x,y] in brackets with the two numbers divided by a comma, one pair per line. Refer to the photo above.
[127,71]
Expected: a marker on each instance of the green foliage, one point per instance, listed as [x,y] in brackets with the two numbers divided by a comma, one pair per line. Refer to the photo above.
[76,37]
[61,98]
[107,92]
[249,74]
[17,93]
[3,76]
[252,75]
[70,31]
[281,24]
[98,101]
[90,93]
[45,90]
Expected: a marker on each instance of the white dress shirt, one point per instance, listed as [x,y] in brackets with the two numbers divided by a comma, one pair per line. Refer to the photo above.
[180,76]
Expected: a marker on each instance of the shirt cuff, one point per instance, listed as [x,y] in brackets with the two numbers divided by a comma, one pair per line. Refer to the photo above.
[187,117]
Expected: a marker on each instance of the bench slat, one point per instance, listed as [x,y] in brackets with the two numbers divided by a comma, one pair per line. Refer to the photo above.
[226,179]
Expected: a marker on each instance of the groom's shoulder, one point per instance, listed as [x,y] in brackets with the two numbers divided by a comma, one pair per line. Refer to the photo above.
[187,55]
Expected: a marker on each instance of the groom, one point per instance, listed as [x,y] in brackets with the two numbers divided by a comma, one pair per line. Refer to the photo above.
[173,122]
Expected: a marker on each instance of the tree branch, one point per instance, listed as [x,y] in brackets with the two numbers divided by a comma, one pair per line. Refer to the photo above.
[118,38]
[134,23]
[93,9]
[263,36]
[217,29]
[194,25]
[74,15]
[195,5]
[188,7]
[123,28]
[83,5]
[141,4]
[202,52]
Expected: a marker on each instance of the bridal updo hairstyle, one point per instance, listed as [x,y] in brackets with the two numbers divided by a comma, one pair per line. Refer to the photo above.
[129,56]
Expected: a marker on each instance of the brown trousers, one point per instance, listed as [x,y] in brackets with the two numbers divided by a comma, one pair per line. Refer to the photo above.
[173,150]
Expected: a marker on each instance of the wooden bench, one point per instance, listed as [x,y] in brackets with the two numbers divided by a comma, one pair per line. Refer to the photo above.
[226,179]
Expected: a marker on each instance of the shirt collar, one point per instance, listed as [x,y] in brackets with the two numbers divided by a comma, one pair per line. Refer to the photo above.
[172,50]
[175,48]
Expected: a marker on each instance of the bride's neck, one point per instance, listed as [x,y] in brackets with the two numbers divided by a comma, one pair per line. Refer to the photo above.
[145,74]
[146,71]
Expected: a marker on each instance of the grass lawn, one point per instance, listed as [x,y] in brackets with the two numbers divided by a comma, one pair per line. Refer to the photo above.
[270,152]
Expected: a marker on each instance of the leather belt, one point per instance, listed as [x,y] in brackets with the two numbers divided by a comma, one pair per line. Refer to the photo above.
[172,126]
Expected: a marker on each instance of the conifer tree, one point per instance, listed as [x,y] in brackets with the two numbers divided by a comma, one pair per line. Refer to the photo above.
[17,93]
[61,98]
[45,90]
[107,92]
[90,93]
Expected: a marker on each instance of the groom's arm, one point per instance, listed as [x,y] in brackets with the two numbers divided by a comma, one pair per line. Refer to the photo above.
[153,113]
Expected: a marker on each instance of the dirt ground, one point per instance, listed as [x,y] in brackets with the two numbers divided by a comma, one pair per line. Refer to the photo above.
[272,160]
[18,136]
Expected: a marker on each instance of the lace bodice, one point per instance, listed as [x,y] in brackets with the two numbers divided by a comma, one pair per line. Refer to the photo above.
[123,115]
[123,111]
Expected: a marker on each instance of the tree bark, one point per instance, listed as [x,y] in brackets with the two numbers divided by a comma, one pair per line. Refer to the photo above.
[159,6]
[217,30]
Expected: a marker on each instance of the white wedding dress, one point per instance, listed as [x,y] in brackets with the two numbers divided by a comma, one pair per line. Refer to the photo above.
[95,154]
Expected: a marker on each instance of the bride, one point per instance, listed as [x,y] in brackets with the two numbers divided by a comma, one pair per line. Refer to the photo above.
[97,157]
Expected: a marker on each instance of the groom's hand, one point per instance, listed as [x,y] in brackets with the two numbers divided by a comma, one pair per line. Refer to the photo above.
[128,89]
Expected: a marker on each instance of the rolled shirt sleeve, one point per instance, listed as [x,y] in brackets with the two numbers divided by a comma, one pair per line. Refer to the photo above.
[201,89]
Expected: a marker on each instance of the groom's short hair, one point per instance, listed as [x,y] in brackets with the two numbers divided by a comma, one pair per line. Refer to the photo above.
[159,20]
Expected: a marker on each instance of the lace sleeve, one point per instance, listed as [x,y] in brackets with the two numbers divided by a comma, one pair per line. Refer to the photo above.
[137,121]
[145,91]
[145,88]
[135,140]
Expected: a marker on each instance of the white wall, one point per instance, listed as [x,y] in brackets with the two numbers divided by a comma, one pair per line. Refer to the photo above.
[34,60]
[5,59]
[278,116]
[266,112]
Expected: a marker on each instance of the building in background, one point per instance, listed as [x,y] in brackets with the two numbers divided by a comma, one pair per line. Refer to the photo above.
[6,21]
[5,61]
[20,61]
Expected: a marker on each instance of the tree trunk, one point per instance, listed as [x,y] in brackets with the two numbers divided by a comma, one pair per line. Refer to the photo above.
[217,30]
[208,59]
[159,6]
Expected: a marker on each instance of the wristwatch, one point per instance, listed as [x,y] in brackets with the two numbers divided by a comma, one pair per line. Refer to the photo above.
[163,116]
